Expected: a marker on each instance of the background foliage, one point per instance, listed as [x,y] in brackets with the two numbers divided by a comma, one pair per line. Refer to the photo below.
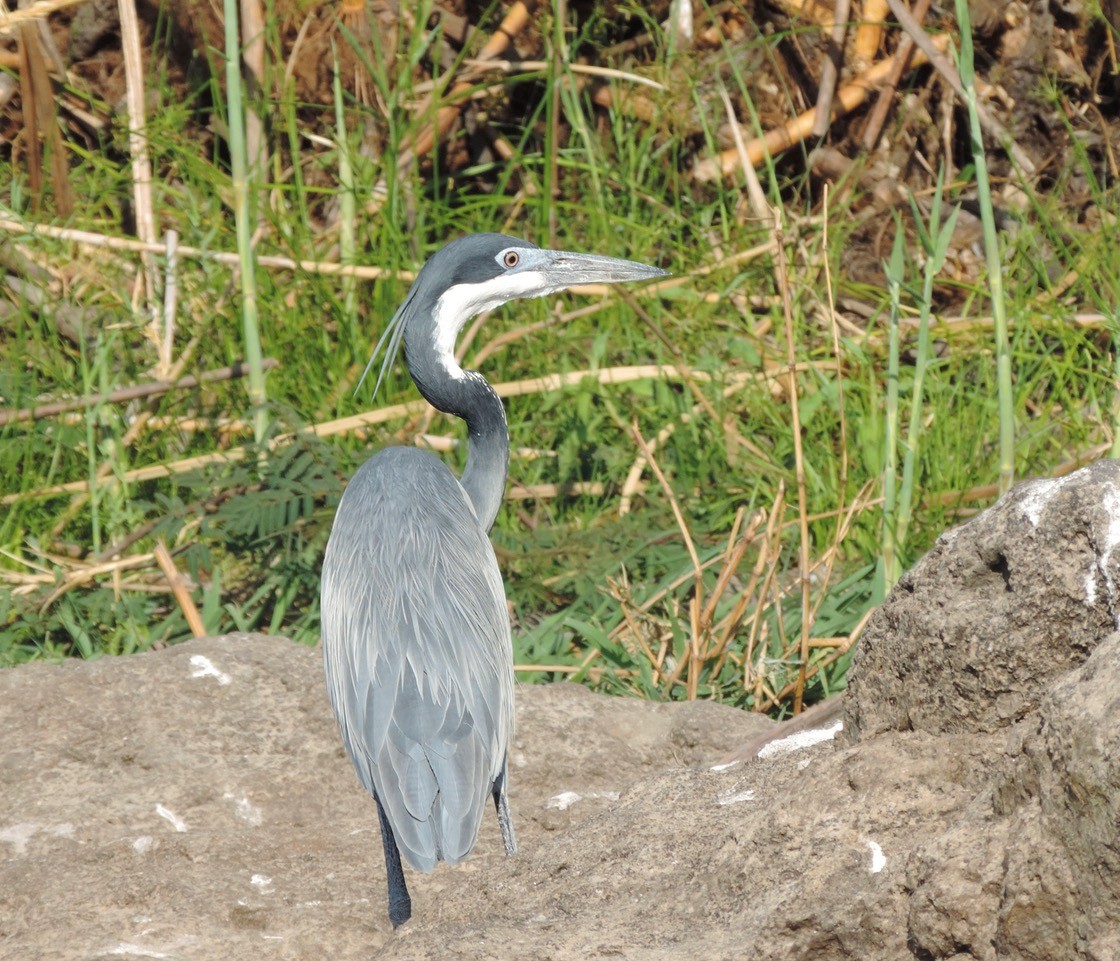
[669,532]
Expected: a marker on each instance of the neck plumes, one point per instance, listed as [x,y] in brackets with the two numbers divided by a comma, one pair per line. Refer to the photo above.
[466,394]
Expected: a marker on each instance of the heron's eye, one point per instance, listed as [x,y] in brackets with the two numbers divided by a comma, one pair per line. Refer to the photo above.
[511,258]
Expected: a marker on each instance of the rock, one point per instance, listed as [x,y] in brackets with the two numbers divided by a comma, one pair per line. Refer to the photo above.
[973,635]
[1062,800]
[196,803]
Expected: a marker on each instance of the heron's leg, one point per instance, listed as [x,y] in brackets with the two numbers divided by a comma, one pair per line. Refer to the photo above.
[400,904]
[501,802]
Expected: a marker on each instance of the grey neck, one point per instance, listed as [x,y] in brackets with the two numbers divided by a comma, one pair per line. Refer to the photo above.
[467,394]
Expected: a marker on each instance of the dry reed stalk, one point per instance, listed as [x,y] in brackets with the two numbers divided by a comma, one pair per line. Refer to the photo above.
[815,11]
[223,427]
[632,104]
[25,583]
[540,492]
[673,347]
[766,567]
[798,456]
[77,576]
[9,21]
[860,503]
[848,98]
[125,394]
[673,504]
[693,658]
[94,240]
[620,591]
[559,51]
[252,57]
[476,69]
[870,32]
[179,589]
[960,327]
[900,62]
[552,382]
[141,173]
[830,69]
[595,673]
[759,207]
[88,238]
[721,633]
[839,650]
[441,443]
[658,596]
[774,698]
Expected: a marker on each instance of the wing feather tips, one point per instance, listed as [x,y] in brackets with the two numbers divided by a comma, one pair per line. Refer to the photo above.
[461,804]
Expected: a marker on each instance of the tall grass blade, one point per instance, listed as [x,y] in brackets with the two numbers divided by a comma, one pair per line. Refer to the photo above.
[935,240]
[348,209]
[244,216]
[991,252]
[890,568]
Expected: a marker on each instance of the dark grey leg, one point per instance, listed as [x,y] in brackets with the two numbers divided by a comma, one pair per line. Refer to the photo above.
[501,802]
[400,904]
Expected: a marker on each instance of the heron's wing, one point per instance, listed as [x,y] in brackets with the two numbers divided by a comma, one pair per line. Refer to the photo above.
[417,651]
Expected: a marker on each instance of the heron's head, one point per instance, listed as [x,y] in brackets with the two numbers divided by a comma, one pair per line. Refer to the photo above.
[483,271]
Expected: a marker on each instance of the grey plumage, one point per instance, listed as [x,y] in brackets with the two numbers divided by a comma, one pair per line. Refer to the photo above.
[416,639]
[414,732]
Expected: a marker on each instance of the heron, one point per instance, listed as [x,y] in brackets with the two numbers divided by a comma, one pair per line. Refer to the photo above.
[416,635]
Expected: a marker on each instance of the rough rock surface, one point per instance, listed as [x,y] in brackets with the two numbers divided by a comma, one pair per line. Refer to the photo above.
[195,803]
[973,636]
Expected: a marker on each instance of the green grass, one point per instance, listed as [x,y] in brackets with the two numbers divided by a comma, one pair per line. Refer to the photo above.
[596,594]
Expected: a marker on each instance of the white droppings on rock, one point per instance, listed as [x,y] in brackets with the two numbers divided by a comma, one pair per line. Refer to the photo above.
[143,844]
[801,740]
[1034,501]
[878,859]
[723,767]
[246,810]
[564,800]
[171,818]
[204,668]
[18,835]
[261,883]
[735,797]
[1110,500]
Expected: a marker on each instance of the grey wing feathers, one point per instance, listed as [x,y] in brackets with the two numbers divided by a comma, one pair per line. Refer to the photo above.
[417,652]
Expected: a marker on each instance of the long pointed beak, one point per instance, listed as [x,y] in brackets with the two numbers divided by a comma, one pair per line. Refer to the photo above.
[565,269]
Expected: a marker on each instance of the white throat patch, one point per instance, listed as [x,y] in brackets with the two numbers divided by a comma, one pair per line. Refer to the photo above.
[460,303]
